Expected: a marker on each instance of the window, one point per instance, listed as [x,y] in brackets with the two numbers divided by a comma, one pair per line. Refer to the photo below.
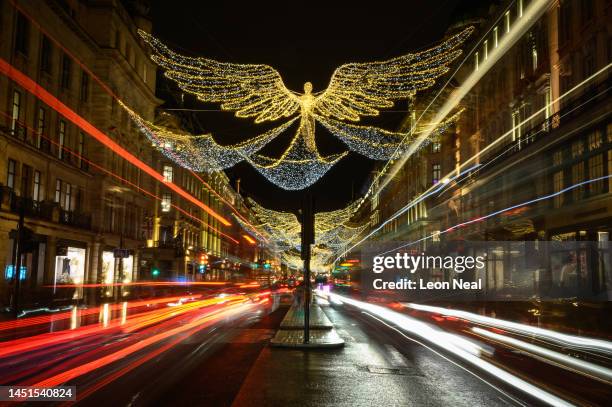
[577,149]
[588,61]
[557,157]
[519,8]
[80,149]
[516,126]
[68,198]
[565,15]
[558,186]
[166,202]
[476,61]
[66,71]
[21,34]
[144,72]
[594,140]
[36,193]
[485,49]
[16,112]
[26,181]
[168,173]
[58,191]
[61,139]
[436,173]
[45,54]
[41,122]
[534,58]
[10,173]
[577,177]
[436,146]
[84,87]
[596,171]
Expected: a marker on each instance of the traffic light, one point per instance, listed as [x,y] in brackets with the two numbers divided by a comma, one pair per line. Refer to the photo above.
[155,272]
[202,262]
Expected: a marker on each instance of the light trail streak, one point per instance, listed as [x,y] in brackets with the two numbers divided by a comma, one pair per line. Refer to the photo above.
[429,334]
[530,16]
[132,323]
[249,239]
[123,180]
[44,319]
[567,362]
[110,92]
[37,90]
[437,188]
[145,283]
[434,188]
[541,333]
[198,324]
[481,218]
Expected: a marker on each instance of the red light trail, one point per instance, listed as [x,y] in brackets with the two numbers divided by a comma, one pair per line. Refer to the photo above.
[108,90]
[123,180]
[34,88]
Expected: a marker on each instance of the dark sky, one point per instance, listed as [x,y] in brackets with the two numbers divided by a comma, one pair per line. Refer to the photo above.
[304,41]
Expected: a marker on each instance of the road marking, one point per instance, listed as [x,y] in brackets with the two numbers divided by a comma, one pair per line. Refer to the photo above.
[396,358]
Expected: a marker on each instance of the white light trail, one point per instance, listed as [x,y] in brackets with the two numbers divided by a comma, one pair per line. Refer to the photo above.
[531,15]
[437,187]
[568,362]
[449,342]
[498,212]
[540,333]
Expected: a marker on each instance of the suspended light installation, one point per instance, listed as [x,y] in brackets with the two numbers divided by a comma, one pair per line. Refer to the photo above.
[257,91]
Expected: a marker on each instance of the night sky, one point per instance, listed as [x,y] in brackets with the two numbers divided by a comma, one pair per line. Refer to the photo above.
[304,41]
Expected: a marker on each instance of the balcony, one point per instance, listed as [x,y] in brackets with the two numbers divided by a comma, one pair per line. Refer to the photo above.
[75,219]
[44,210]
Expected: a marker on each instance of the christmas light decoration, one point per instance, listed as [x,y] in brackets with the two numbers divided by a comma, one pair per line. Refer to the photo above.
[333,231]
[202,153]
[258,91]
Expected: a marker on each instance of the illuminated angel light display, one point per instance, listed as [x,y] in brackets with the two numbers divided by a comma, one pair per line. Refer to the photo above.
[257,91]
[333,231]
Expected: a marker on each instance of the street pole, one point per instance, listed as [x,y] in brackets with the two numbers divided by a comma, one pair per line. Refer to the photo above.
[307,241]
[17,253]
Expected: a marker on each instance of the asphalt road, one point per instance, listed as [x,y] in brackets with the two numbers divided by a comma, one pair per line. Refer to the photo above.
[378,366]
[203,353]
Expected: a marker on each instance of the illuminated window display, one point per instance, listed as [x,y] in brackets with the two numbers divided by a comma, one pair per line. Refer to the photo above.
[70,268]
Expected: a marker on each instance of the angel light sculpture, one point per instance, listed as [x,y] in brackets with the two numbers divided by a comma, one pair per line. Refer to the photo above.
[355,90]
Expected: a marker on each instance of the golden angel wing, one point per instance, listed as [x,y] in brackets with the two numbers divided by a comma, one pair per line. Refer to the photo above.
[361,89]
[249,90]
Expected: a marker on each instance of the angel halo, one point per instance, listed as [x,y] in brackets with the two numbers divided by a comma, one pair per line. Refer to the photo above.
[257,91]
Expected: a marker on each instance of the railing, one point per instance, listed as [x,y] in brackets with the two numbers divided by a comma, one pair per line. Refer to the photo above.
[45,210]
[75,219]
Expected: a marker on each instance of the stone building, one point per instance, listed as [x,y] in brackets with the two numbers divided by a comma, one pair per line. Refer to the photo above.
[82,200]
[536,132]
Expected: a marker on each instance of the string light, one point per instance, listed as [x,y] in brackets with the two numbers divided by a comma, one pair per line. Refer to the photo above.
[201,153]
[258,91]
[333,231]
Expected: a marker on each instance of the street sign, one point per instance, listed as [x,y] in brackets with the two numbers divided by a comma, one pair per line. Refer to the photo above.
[121,253]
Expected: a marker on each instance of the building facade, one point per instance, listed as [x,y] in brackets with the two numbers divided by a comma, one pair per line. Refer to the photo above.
[79,200]
[536,133]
